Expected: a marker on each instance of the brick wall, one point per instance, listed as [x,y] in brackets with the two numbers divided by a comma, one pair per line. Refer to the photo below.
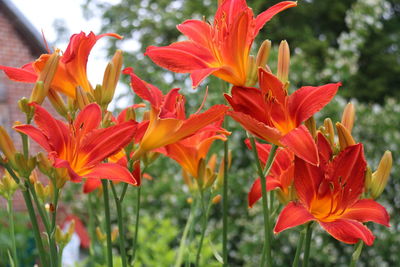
[14,52]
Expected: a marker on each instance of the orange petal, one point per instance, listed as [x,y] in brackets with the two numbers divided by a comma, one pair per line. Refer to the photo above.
[36,134]
[20,74]
[367,210]
[91,185]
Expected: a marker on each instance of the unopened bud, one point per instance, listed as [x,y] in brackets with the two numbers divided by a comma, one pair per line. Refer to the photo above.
[7,145]
[381,176]
[44,164]
[251,78]
[40,192]
[329,131]
[368,179]
[188,180]
[345,138]
[81,98]
[283,62]
[100,236]
[23,105]
[57,102]
[263,54]
[311,126]
[216,199]
[114,234]
[61,176]
[45,79]
[8,186]
[348,117]
[111,77]
[201,174]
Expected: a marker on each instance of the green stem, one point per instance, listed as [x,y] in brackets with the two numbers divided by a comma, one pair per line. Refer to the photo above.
[91,227]
[191,233]
[35,226]
[308,244]
[203,226]
[53,245]
[225,204]
[182,243]
[135,237]
[12,231]
[108,222]
[356,254]
[121,229]
[266,254]
[299,248]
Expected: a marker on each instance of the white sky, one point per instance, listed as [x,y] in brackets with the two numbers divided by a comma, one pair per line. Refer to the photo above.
[42,13]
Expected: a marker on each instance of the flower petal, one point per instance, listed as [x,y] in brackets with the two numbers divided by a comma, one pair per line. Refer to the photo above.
[293,214]
[257,128]
[36,134]
[366,210]
[301,143]
[197,30]
[269,82]
[113,172]
[308,100]
[91,184]
[348,231]
[268,14]
[255,192]
[88,119]
[198,76]
[20,74]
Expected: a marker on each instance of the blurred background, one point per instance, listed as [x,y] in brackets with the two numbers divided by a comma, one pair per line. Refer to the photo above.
[352,41]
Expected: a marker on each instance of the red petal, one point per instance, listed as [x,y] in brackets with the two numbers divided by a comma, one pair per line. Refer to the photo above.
[91,185]
[145,90]
[302,144]
[102,143]
[308,100]
[306,180]
[255,192]
[269,82]
[366,210]
[229,10]
[267,15]
[324,150]
[292,215]
[113,172]
[198,76]
[183,57]
[36,134]
[56,131]
[88,119]
[348,231]
[257,128]
[20,74]
[198,31]
[348,168]
[137,172]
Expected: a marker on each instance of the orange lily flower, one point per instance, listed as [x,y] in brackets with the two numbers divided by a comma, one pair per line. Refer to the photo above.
[280,176]
[71,71]
[331,195]
[81,146]
[189,152]
[221,49]
[272,115]
[168,123]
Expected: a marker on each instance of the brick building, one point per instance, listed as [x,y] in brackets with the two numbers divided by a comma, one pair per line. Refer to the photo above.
[20,43]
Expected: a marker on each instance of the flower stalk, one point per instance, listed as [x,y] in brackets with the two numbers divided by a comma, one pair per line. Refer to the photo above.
[107,223]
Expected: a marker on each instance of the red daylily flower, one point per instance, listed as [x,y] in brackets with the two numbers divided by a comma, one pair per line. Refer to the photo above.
[331,195]
[280,176]
[71,70]
[168,123]
[272,115]
[81,146]
[190,151]
[221,49]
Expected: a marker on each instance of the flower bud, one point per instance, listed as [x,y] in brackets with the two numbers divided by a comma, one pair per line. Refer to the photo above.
[311,126]
[381,176]
[110,78]
[348,117]
[216,199]
[23,105]
[57,102]
[7,186]
[40,192]
[45,79]
[283,62]
[201,174]
[188,180]
[251,72]
[263,54]
[345,138]
[44,164]
[329,131]
[7,145]
[100,236]
[220,176]
[82,99]
[114,234]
